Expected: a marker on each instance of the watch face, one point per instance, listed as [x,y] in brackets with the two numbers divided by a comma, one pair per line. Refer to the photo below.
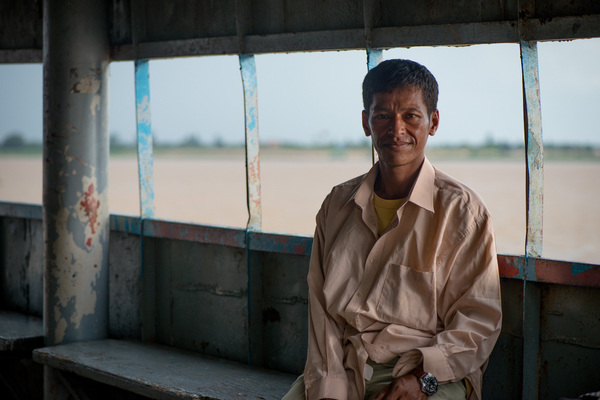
[429,384]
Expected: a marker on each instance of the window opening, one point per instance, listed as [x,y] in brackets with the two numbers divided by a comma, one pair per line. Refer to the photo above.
[310,132]
[480,139]
[198,133]
[21,133]
[570,95]
[123,177]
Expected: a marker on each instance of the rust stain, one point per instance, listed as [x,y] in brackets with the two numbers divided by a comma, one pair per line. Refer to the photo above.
[507,269]
[90,206]
[299,249]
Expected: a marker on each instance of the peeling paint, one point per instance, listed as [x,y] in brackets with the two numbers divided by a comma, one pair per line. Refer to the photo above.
[534,149]
[249,81]
[143,111]
[579,268]
[74,274]
[144,139]
[87,85]
[95,105]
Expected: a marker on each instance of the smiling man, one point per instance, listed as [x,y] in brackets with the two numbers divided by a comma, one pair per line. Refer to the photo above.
[404,292]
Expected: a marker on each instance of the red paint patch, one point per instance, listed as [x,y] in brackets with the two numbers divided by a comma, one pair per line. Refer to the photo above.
[88,242]
[507,270]
[299,249]
[562,272]
[90,207]
[95,265]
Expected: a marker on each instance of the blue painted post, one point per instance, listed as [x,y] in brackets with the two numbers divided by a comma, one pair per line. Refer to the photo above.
[374,57]
[248,68]
[254,289]
[75,194]
[534,149]
[535,202]
[144,138]
[145,160]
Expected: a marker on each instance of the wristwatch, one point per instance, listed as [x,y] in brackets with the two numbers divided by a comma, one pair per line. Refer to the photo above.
[429,383]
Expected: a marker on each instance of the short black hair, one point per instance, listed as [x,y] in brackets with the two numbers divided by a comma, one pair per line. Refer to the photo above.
[393,74]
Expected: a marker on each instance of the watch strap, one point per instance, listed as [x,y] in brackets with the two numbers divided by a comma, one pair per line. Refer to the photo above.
[418,372]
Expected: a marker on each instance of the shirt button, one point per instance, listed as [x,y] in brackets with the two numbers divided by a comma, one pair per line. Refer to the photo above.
[360,294]
[372,261]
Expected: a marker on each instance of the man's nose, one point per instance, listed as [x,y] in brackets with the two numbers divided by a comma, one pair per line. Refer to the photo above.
[397,125]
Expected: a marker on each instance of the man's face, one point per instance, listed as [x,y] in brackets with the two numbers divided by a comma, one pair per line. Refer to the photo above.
[399,125]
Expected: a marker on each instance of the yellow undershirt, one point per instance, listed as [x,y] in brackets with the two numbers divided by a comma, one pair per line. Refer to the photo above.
[385,210]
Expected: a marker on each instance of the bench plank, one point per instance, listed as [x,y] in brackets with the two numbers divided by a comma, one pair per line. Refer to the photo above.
[19,332]
[161,372]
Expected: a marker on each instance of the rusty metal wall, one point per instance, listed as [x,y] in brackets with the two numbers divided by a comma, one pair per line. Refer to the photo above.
[195,297]
[21,270]
[21,275]
[124,286]
[199,298]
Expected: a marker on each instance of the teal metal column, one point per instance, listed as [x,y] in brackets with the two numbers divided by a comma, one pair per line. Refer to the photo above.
[534,148]
[76,152]
[253,197]
[248,69]
[535,202]
[374,57]
[144,139]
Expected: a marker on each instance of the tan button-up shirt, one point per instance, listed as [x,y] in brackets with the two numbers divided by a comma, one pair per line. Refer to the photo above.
[427,289]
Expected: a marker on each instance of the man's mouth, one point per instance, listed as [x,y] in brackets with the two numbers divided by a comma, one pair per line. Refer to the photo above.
[397,145]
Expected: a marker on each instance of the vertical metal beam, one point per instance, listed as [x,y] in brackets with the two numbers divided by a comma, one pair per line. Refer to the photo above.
[374,57]
[75,175]
[254,289]
[76,150]
[248,68]
[75,196]
[534,149]
[371,12]
[534,211]
[145,159]
[144,139]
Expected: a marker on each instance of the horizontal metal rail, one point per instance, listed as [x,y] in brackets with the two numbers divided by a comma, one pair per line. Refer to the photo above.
[538,29]
[510,266]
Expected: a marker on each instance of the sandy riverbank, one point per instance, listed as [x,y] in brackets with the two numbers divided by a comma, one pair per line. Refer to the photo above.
[212,191]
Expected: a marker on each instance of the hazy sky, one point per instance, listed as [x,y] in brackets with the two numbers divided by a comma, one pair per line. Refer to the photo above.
[316,97]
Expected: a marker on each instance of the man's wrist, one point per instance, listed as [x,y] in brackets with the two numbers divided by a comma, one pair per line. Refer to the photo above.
[429,383]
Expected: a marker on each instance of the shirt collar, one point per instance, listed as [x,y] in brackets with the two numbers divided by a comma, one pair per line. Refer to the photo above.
[422,191]
[421,194]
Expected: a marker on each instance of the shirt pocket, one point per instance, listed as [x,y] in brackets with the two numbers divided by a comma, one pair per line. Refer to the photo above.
[408,298]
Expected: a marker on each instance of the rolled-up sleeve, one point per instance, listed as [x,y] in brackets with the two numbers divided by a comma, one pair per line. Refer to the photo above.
[469,306]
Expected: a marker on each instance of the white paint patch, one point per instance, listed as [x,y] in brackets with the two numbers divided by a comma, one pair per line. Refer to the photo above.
[87,84]
[143,111]
[78,268]
[95,105]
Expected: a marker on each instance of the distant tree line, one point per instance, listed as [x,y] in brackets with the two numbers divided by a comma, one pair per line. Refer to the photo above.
[16,142]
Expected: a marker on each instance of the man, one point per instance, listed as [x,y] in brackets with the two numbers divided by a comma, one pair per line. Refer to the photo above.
[403,281]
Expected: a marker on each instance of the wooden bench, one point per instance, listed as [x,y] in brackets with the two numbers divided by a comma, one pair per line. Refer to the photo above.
[20,377]
[20,332]
[161,372]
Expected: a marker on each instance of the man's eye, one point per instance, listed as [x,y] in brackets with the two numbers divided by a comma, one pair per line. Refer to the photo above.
[381,116]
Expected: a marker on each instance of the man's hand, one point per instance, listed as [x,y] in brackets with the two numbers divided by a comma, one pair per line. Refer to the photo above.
[406,387]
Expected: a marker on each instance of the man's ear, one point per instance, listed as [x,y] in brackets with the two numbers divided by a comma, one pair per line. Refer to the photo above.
[435,122]
[365,123]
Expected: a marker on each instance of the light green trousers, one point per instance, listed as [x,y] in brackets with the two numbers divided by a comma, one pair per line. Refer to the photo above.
[382,376]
